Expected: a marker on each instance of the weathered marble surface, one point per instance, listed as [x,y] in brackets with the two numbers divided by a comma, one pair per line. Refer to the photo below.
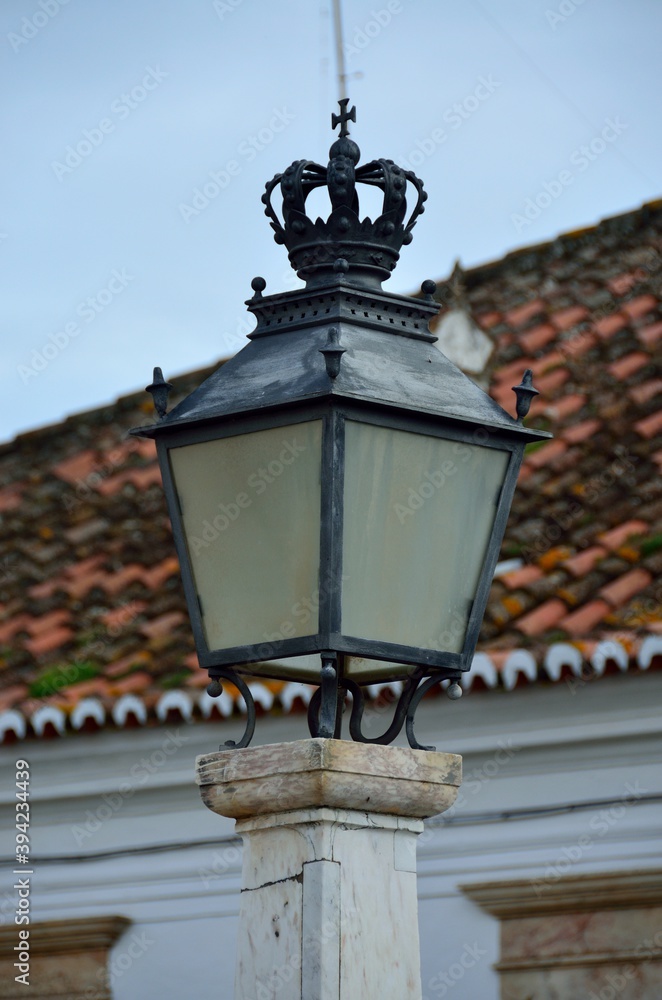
[335,773]
[328,904]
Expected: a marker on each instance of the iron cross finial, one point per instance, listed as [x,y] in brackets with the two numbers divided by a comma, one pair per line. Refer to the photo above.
[344,117]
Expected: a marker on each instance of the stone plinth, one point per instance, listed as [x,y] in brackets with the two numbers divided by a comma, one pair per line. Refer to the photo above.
[328,904]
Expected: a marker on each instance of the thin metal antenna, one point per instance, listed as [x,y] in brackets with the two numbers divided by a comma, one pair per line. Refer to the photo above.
[340,50]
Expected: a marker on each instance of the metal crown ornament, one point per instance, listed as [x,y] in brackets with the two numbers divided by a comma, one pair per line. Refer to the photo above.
[371,248]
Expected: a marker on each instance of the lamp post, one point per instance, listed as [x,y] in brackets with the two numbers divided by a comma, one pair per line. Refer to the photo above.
[338,493]
[339,490]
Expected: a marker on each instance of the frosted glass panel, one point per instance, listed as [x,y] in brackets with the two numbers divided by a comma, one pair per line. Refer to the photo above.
[419,512]
[251,513]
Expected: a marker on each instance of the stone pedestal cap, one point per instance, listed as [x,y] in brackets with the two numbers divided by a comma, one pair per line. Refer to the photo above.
[318,773]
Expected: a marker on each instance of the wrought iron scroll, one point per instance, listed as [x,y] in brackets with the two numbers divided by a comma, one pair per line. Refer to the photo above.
[326,723]
[215,689]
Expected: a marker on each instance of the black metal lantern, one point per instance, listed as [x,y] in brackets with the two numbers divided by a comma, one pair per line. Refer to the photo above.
[339,490]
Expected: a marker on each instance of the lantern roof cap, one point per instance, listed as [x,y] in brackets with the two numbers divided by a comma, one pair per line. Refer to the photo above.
[387,359]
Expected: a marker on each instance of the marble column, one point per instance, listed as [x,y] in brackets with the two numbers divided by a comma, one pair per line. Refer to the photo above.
[328,903]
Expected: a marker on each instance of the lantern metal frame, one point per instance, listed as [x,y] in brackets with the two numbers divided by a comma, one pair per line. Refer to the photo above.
[377,367]
[333,413]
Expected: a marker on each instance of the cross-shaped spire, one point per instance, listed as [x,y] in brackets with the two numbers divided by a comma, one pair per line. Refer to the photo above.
[344,117]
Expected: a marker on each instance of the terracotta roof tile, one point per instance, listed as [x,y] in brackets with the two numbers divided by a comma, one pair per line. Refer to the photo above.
[646,390]
[10,498]
[114,483]
[119,667]
[119,618]
[565,319]
[46,589]
[547,362]
[617,536]
[521,577]
[549,383]
[542,618]
[547,453]
[629,364]
[77,467]
[550,559]
[649,335]
[537,338]
[607,326]
[95,687]
[83,584]
[581,622]
[46,623]
[162,625]
[650,426]
[507,373]
[84,567]
[14,625]
[198,679]
[117,582]
[132,684]
[622,284]
[581,432]
[86,531]
[148,475]
[584,562]
[488,320]
[49,641]
[522,314]
[157,576]
[581,342]
[641,306]
[12,695]
[565,406]
[90,538]
[621,590]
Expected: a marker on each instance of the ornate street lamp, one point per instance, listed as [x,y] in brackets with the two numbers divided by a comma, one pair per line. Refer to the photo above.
[339,490]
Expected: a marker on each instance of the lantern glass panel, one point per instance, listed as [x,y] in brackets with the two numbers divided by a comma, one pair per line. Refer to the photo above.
[419,512]
[251,515]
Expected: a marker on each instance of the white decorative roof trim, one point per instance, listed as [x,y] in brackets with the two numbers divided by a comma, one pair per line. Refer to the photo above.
[292,691]
[224,704]
[609,650]
[481,666]
[560,655]
[650,647]
[88,708]
[519,662]
[395,687]
[129,704]
[261,695]
[14,721]
[46,714]
[178,700]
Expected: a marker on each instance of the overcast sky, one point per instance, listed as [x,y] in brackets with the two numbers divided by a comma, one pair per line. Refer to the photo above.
[524,118]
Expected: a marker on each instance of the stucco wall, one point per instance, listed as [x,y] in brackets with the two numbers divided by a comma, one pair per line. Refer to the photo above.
[556,783]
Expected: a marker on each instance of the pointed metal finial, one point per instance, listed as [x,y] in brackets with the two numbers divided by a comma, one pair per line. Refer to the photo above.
[159,390]
[332,352]
[525,393]
[344,117]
